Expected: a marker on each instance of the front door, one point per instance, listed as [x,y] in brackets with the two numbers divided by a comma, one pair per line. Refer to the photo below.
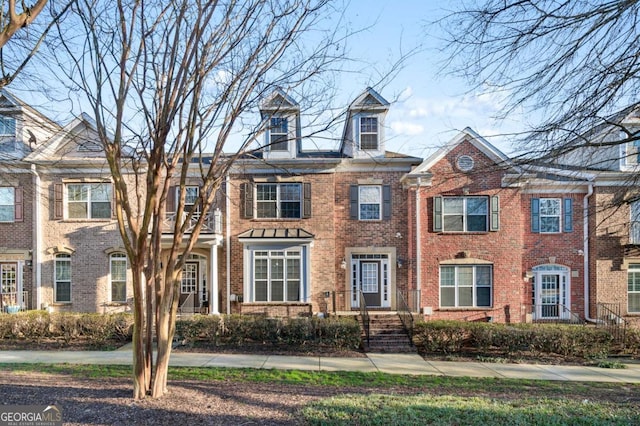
[189,287]
[550,296]
[370,275]
[370,282]
[9,284]
[551,292]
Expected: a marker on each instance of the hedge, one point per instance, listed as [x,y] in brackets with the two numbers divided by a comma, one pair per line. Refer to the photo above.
[450,337]
[236,331]
[93,329]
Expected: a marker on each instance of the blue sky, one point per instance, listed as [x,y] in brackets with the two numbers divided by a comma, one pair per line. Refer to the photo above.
[429,106]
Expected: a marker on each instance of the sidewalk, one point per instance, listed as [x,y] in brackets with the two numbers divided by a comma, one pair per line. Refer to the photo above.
[374,362]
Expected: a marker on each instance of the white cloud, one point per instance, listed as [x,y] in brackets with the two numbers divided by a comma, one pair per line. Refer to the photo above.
[407,128]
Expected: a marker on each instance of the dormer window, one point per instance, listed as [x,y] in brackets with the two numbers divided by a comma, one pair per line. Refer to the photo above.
[369,133]
[7,126]
[630,154]
[279,134]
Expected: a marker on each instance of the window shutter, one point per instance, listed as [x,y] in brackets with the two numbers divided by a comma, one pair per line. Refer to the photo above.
[18,205]
[57,201]
[353,202]
[171,200]
[306,200]
[386,202]
[437,213]
[494,223]
[535,215]
[113,202]
[246,195]
[568,215]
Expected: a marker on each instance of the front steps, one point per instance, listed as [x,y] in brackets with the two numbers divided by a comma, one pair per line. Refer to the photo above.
[386,334]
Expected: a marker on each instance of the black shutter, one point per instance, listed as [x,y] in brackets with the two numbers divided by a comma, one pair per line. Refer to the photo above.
[353,202]
[246,195]
[306,200]
[386,202]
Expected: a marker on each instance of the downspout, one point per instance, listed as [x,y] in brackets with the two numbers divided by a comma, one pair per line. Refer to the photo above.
[418,248]
[585,231]
[228,245]
[37,237]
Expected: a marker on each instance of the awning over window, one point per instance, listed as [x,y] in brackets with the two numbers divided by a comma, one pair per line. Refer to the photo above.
[273,233]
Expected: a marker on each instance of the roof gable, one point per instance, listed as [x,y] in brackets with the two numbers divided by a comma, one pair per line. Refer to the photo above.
[78,139]
[278,100]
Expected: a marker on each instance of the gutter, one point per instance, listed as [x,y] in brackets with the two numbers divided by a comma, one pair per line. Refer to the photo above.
[585,231]
[37,237]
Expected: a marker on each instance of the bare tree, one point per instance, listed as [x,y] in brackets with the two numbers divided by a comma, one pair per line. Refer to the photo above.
[167,81]
[575,62]
[15,56]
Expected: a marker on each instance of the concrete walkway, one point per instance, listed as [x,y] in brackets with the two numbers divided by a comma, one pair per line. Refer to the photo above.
[374,362]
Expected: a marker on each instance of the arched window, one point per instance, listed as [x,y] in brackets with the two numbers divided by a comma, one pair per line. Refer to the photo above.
[62,278]
[118,277]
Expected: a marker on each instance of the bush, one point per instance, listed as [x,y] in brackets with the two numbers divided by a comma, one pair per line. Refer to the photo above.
[236,331]
[569,341]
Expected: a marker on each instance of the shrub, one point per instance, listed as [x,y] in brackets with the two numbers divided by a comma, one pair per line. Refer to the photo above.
[442,336]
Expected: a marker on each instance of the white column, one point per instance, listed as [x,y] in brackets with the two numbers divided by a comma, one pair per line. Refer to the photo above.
[213,281]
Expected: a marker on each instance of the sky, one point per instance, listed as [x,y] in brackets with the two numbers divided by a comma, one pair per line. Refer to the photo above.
[428,106]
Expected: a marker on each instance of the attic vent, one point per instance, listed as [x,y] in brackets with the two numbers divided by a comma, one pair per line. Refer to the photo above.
[89,146]
[465,163]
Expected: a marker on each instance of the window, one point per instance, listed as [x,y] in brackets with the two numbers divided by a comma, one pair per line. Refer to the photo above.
[191,198]
[465,286]
[7,126]
[189,282]
[631,152]
[279,134]
[370,202]
[551,215]
[7,202]
[277,275]
[464,214]
[633,283]
[368,133]
[118,277]
[62,275]
[283,200]
[89,201]
[634,220]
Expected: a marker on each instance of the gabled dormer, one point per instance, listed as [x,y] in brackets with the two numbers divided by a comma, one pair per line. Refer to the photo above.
[363,135]
[22,128]
[281,117]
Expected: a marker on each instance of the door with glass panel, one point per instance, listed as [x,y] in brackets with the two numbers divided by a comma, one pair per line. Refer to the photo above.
[189,287]
[9,284]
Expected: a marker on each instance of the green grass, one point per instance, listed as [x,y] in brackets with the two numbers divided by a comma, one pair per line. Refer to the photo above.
[386,410]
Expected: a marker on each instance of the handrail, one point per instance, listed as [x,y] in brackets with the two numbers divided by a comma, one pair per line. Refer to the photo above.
[364,314]
[612,320]
[406,317]
[211,225]
[190,298]
[556,312]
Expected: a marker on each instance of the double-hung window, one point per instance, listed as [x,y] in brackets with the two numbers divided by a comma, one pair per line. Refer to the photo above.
[118,267]
[551,215]
[633,288]
[7,126]
[466,213]
[277,275]
[279,134]
[634,220]
[466,286]
[279,200]
[369,133]
[10,204]
[191,198]
[62,275]
[89,200]
[370,202]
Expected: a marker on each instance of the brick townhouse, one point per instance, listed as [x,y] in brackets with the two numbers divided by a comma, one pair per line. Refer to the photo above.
[464,234]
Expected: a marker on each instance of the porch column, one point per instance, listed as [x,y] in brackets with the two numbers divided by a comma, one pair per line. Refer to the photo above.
[213,280]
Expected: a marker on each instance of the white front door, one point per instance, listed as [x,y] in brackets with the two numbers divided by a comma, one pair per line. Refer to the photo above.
[551,292]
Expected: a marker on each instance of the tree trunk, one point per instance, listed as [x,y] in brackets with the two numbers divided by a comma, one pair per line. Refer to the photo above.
[141,369]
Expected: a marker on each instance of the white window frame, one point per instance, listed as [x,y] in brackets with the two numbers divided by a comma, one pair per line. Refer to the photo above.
[278,201]
[11,193]
[634,220]
[4,127]
[361,204]
[547,215]
[281,142]
[465,213]
[88,202]
[60,258]
[361,123]
[456,286]
[633,274]
[284,255]
[116,258]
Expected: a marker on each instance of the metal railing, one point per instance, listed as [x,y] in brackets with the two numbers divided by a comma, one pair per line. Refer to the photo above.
[212,223]
[347,300]
[405,314]
[609,317]
[364,314]
[188,305]
[553,313]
